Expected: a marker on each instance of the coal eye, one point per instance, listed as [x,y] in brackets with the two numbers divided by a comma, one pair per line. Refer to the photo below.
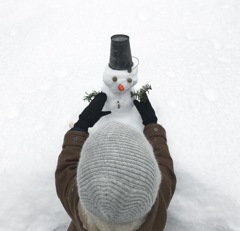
[114,78]
[129,80]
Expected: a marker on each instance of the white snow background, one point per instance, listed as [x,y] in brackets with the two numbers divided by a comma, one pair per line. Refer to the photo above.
[53,51]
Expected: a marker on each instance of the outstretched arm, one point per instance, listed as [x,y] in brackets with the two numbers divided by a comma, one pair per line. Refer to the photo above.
[65,175]
[156,136]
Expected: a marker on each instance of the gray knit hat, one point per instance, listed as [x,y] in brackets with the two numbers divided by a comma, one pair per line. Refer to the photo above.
[118,176]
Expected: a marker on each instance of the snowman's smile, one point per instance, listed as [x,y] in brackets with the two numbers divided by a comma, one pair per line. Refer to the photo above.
[121,87]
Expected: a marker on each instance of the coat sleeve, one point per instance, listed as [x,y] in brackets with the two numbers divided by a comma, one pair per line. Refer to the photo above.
[65,175]
[156,135]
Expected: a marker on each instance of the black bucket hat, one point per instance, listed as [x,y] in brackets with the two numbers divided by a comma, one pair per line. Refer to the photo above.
[120,54]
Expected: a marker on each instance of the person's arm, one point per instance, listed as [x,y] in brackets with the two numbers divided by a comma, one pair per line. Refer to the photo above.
[156,136]
[65,175]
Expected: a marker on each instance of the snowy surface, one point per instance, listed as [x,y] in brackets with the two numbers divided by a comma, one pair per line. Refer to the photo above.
[53,51]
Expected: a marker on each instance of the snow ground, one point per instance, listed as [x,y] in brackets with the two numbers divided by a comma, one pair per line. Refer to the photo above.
[53,51]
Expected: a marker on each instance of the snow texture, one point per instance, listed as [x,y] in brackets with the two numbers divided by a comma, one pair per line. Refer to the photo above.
[53,51]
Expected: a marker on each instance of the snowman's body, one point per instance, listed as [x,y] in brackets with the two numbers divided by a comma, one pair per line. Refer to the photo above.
[118,86]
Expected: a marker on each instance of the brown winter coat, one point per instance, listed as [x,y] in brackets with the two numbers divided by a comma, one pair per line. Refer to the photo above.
[66,177]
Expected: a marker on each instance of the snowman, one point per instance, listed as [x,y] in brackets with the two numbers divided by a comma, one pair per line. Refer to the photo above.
[119,79]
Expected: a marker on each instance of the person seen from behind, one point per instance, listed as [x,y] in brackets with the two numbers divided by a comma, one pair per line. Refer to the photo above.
[116,178]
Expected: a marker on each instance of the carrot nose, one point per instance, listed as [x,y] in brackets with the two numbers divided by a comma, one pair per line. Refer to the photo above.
[120,87]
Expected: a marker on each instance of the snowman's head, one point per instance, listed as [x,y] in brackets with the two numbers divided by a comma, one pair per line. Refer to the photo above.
[120,81]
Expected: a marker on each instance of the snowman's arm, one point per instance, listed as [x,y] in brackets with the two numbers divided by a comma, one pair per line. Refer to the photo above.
[90,96]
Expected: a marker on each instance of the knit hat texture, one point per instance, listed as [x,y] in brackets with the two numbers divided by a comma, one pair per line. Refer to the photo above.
[118,176]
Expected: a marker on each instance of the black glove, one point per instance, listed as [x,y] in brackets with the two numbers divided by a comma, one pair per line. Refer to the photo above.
[92,113]
[146,111]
